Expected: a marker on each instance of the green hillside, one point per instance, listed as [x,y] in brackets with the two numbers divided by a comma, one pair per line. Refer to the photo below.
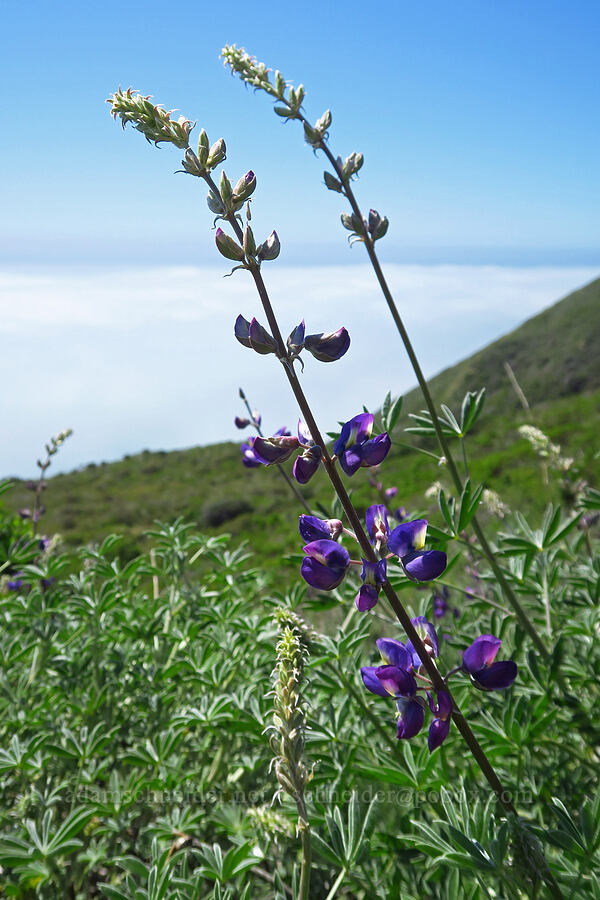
[554,356]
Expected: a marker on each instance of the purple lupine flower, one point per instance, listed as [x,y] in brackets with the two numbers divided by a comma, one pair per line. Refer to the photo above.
[400,514]
[394,653]
[24,513]
[310,459]
[47,582]
[325,564]
[257,419]
[440,726]
[373,577]
[15,584]
[355,447]
[249,458]
[389,681]
[304,435]
[241,423]
[328,346]
[411,716]
[389,494]
[295,341]
[406,542]
[478,662]
[395,678]
[307,464]
[377,526]
[253,335]
[275,449]
[428,635]
[43,543]
[314,529]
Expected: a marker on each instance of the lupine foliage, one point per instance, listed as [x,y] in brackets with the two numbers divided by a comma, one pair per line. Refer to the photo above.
[135,699]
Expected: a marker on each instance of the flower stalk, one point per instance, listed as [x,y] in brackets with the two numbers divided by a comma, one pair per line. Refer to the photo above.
[287,737]
[368,231]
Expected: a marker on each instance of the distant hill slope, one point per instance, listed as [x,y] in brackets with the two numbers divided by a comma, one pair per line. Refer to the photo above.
[554,354]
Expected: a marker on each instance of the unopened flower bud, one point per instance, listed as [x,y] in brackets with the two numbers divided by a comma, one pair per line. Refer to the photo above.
[214,203]
[241,423]
[351,165]
[245,186]
[203,148]
[249,243]
[307,464]
[295,342]
[274,450]
[227,247]
[311,136]
[381,229]
[270,249]
[226,192]
[328,347]
[216,154]
[191,163]
[279,85]
[324,122]
[260,339]
[374,221]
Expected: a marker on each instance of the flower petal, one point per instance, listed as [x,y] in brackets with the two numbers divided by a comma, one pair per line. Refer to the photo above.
[410,719]
[397,682]
[394,653]
[313,529]
[367,597]
[438,732]
[321,577]
[481,653]
[374,452]
[408,537]
[372,682]
[425,565]
[496,677]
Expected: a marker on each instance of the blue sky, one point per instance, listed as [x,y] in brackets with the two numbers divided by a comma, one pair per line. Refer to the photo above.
[479,126]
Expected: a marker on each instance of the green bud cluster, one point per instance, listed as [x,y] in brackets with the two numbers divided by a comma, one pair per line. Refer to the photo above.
[257,74]
[154,122]
[207,158]
[317,133]
[351,165]
[53,446]
[287,737]
[364,230]
[270,822]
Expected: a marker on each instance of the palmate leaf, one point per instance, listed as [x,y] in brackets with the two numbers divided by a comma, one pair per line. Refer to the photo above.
[348,835]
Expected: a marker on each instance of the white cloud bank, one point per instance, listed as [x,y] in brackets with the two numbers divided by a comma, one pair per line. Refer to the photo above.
[135,358]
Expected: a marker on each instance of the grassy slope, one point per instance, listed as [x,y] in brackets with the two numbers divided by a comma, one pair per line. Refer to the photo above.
[555,354]
[556,360]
